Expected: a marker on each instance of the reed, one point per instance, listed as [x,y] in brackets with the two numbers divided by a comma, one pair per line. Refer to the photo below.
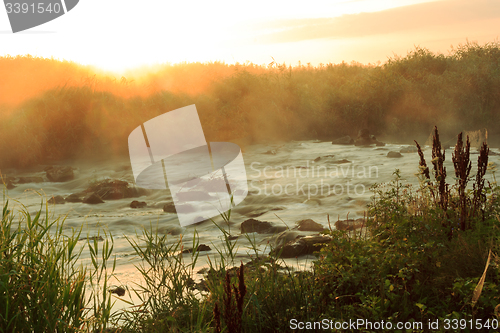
[42,286]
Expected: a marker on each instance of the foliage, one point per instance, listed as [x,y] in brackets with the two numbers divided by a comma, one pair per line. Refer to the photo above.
[423,260]
[42,288]
[84,113]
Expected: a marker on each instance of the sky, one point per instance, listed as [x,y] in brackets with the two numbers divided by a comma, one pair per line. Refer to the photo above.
[122,34]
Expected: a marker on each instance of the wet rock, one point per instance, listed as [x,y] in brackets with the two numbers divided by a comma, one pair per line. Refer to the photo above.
[345,140]
[93,238]
[394,154]
[118,290]
[409,149]
[183,208]
[301,246]
[73,198]
[201,247]
[260,227]
[113,189]
[92,198]
[9,185]
[309,225]
[287,236]
[138,204]
[56,200]
[350,225]
[366,139]
[59,173]
[26,180]
[342,161]
[204,270]
[169,208]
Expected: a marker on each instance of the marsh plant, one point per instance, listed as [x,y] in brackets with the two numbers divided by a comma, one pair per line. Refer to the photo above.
[428,249]
[42,286]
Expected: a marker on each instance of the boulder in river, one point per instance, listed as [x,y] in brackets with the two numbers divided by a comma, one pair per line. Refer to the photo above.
[201,247]
[349,225]
[301,246]
[93,198]
[56,200]
[309,225]
[113,189]
[138,204]
[394,154]
[73,198]
[366,139]
[169,207]
[260,227]
[345,140]
[59,173]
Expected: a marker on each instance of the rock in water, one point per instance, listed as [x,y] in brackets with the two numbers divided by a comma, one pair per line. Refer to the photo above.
[118,290]
[56,200]
[260,227]
[73,198]
[366,139]
[60,174]
[112,189]
[309,225]
[181,208]
[169,208]
[394,154]
[201,247]
[301,246]
[345,140]
[92,198]
[138,204]
[350,225]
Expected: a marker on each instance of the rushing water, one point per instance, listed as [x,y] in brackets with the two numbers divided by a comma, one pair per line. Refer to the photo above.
[286,183]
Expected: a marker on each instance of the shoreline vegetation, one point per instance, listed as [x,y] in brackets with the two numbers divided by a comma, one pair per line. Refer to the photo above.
[55,110]
[427,252]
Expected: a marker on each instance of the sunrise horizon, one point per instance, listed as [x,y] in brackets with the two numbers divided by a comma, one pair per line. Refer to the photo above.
[366,32]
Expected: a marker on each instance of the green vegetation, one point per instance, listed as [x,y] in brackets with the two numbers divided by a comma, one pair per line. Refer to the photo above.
[429,252]
[42,287]
[79,112]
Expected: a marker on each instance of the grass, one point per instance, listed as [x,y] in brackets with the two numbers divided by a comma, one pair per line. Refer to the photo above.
[429,252]
[42,286]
